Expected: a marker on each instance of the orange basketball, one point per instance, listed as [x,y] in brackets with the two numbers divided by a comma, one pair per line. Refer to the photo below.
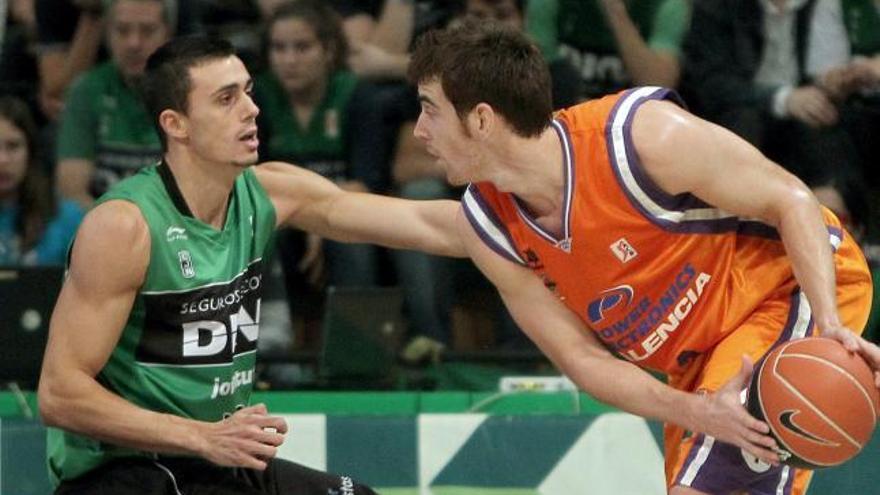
[819,400]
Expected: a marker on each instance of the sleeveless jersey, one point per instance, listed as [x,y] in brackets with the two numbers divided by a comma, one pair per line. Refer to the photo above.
[659,278]
[189,345]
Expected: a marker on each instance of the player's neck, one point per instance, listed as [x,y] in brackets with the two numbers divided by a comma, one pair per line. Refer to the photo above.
[205,186]
[532,169]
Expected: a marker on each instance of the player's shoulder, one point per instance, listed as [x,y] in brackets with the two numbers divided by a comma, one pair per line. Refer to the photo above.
[114,221]
[275,175]
[112,247]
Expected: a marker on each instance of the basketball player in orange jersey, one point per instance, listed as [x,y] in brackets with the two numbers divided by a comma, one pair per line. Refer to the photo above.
[627,228]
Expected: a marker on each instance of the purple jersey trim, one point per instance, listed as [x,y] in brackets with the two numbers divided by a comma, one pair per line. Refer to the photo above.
[480,230]
[676,203]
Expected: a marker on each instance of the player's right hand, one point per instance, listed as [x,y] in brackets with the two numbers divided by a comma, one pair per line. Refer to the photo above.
[246,439]
[854,342]
[725,418]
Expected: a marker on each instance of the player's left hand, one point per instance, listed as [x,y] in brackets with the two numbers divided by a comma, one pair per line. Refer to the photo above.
[855,343]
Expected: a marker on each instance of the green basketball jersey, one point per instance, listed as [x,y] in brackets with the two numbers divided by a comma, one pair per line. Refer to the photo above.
[189,346]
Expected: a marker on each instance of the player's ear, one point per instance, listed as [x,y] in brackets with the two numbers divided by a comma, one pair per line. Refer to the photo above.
[482,119]
[174,124]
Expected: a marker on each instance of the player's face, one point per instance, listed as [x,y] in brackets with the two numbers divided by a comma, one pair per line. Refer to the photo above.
[444,134]
[135,30]
[298,58]
[221,122]
[13,157]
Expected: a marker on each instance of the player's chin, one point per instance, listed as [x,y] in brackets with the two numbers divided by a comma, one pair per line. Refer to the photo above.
[248,160]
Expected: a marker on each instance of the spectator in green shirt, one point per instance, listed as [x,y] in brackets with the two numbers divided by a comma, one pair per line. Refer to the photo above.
[613,43]
[105,132]
[305,119]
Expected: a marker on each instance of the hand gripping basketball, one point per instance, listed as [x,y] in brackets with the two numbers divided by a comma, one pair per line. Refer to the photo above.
[819,400]
[726,419]
[855,343]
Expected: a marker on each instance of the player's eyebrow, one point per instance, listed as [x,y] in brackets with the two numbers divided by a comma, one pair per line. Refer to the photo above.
[426,99]
[232,86]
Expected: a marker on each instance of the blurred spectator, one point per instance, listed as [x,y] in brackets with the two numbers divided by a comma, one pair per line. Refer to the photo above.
[746,70]
[844,59]
[69,36]
[18,62]
[568,88]
[106,133]
[612,43]
[359,17]
[35,228]
[69,33]
[844,47]
[305,119]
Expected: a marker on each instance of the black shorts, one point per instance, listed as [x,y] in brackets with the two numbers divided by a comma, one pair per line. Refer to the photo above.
[193,476]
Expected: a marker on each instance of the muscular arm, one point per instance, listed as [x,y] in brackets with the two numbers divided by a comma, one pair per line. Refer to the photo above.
[566,340]
[91,311]
[309,202]
[89,316]
[728,173]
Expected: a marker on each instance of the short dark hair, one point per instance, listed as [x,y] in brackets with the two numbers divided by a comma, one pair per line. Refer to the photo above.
[326,22]
[166,82]
[479,61]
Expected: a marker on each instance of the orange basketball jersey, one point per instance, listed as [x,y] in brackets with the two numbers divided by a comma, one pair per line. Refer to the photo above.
[661,279]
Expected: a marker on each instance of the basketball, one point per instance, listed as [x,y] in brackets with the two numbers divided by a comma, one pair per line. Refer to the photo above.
[819,400]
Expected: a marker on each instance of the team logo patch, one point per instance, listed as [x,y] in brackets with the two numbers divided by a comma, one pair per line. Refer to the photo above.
[186,264]
[623,250]
[611,298]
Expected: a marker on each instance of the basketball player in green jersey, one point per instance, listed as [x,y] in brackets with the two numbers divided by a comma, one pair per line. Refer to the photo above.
[150,360]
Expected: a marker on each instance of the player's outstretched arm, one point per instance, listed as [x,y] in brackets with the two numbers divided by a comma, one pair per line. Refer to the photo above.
[310,202]
[108,265]
[575,349]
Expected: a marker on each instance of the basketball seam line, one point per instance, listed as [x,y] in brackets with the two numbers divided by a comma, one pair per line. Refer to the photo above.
[845,373]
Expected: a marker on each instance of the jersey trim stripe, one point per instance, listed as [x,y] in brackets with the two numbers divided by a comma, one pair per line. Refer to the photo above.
[785,480]
[225,364]
[697,460]
[835,236]
[568,166]
[488,226]
[170,475]
[679,213]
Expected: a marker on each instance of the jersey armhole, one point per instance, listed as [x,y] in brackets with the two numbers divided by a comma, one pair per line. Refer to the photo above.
[488,226]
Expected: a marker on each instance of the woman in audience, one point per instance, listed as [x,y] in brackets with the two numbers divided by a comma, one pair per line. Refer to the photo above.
[305,118]
[35,227]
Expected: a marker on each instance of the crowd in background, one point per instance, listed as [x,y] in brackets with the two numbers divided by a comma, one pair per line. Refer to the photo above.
[799,79]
